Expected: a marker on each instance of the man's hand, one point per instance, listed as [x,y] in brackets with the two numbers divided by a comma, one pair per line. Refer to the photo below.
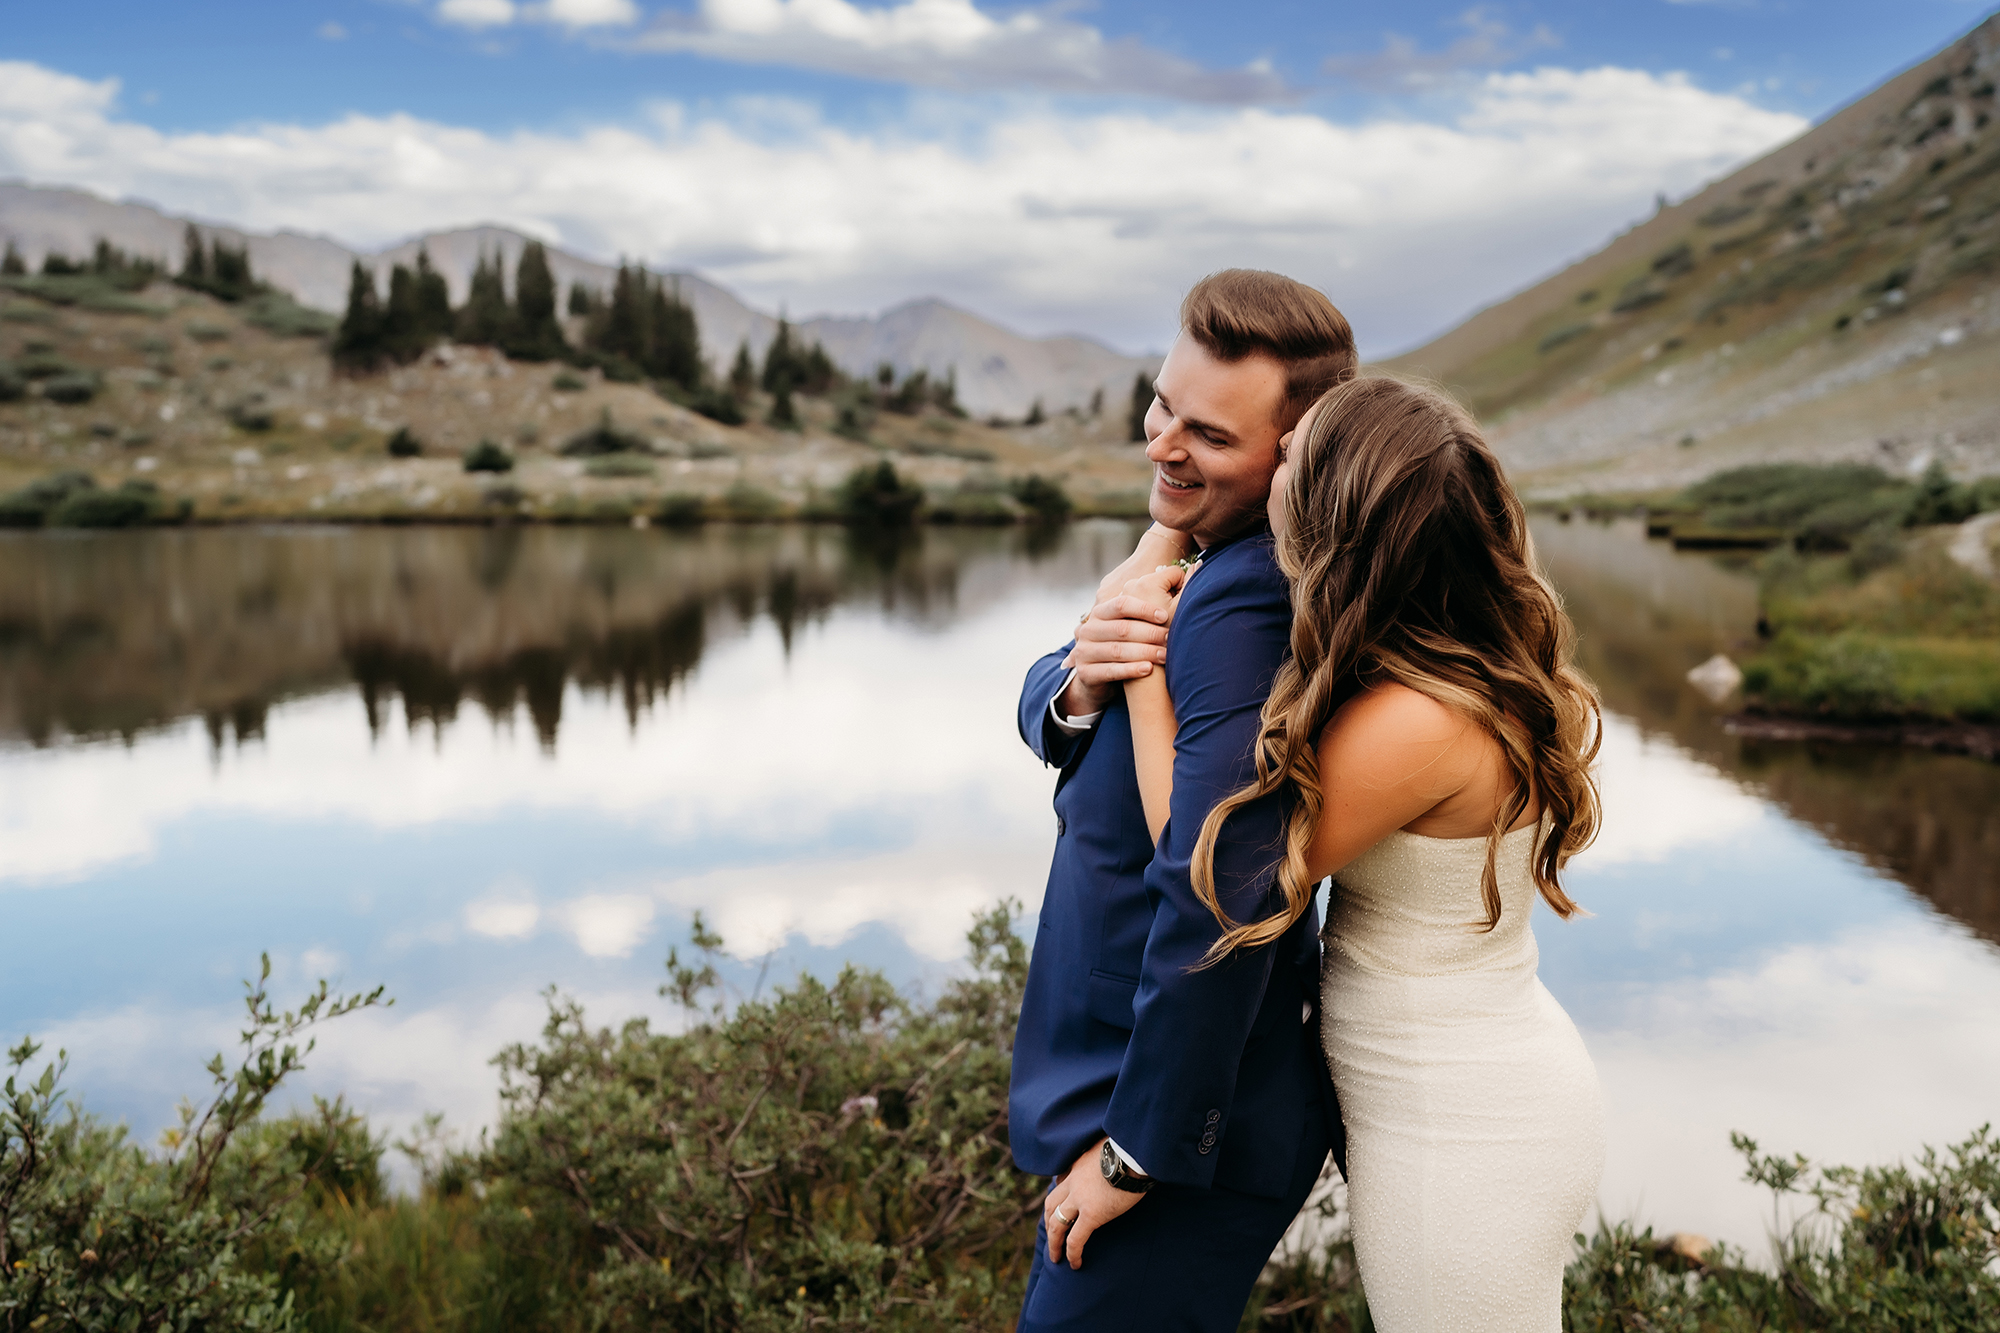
[1080,1203]
[1120,640]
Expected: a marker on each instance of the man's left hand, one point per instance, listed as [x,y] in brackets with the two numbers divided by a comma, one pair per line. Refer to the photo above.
[1087,1201]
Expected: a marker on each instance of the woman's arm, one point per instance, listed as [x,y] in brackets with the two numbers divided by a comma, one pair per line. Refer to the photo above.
[1159,545]
[1152,709]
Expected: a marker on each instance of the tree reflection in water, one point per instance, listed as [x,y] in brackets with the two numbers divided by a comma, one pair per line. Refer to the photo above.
[113,634]
[1647,613]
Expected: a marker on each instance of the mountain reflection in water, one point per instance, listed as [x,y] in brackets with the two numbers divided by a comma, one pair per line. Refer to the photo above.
[118,634]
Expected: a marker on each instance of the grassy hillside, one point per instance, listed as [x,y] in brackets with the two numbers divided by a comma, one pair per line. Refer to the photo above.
[236,410]
[1837,299]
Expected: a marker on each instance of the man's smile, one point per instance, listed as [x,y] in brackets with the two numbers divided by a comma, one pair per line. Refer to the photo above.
[1174,484]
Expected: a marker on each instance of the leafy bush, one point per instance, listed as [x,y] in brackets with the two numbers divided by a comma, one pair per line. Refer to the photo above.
[487,456]
[603,438]
[1567,333]
[88,507]
[1824,505]
[13,384]
[749,502]
[877,497]
[405,444]
[73,387]
[97,1234]
[831,1157]
[1939,499]
[277,313]
[620,465]
[253,414]
[568,381]
[30,506]
[1043,497]
[715,404]
[680,509]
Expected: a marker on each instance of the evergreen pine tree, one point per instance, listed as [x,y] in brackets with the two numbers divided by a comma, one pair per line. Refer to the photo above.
[536,334]
[1035,415]
[781,360]
[483,320]
[742,375]
[230,278]
[817,373]
[1142,403]
[402,337]
[945,394]
[676,340]
[783,415]
[582,301]
[11,264]
[433,300]
[626,335]
[357,345]
[194,266]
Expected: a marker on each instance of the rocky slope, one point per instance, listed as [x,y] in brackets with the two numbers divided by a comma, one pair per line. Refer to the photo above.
[1836,299]
[999,371]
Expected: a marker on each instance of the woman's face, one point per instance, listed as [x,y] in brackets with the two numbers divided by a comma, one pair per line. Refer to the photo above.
[1275,505]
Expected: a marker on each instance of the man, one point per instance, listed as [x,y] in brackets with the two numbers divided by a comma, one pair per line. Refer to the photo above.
[1184,1110]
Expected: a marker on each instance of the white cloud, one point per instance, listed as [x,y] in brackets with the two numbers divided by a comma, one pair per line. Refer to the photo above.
[571,14]
[331,32]
[1658,799]
[1489,43]
[608,925]
[1045,220]
[502,919]
[949,44]
[1778,1050]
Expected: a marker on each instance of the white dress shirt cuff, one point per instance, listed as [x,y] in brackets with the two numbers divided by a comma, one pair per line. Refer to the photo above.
[1130,1163]
[1073,726]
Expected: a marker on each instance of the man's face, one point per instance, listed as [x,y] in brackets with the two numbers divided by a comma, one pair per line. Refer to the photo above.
[1213,440]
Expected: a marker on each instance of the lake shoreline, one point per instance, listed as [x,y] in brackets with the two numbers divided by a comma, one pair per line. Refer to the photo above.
[1940,735]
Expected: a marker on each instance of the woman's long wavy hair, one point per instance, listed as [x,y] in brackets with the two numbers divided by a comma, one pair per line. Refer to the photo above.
[1410,561]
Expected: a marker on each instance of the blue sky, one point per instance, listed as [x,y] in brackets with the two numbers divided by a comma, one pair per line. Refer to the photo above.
[1069,166]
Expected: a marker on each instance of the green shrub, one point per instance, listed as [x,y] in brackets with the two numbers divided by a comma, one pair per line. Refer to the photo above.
[13,384]
[30,506]
[1824,505]
[73,388]
[680,509]
[97,1234]
[1043,497]
[603,438]
[253,414]
[126,507]
[717,405]
[207,333]
[568,381]
[877,497]
[487,456]
[1939,499]
[620,465]
[829,1157]
[749,502]
[405,444]
[1567,333]
[277,313]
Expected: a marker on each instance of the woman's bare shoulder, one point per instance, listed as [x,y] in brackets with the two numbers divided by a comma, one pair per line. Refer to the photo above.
[1402,733]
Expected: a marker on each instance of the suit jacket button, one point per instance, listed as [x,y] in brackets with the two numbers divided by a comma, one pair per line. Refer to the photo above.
[1206,1146]
[1215,1117]
[1061,827]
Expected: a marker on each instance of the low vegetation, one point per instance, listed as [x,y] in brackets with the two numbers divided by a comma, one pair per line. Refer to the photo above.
[1867,616]
[832,1155]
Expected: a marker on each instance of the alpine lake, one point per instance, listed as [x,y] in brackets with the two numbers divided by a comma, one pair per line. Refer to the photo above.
[475,763]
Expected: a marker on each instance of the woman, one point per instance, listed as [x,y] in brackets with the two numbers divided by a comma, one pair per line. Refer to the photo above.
[1437,742]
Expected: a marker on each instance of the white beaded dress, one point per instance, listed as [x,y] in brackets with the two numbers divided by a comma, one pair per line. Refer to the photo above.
[1475,1125]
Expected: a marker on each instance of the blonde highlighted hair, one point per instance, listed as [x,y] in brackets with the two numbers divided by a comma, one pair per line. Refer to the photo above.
[1410,561]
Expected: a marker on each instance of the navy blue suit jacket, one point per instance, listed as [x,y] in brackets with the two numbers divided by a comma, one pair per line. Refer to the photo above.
[1206,1077]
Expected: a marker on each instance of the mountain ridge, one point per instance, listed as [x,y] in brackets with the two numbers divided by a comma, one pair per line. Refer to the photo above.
[1836,299]
[999,371]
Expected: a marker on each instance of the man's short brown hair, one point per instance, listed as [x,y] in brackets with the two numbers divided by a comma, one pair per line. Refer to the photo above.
[1243,312]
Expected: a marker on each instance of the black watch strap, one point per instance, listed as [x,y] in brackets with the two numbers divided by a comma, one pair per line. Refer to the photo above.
[1118,1175]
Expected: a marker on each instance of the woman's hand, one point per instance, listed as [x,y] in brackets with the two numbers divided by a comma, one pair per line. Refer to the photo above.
[1160,545]
[1160,590]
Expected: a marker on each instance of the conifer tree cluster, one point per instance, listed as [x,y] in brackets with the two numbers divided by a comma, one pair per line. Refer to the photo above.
[1142,403]
[418,313]
[11,263]
[644,330]
[214,268]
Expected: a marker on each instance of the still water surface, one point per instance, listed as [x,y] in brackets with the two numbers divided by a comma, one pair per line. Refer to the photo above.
[475,763]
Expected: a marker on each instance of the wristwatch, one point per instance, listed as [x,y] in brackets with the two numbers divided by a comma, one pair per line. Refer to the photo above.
[1120,1176]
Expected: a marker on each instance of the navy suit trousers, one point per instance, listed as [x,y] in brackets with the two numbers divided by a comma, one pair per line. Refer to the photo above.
[1183,1260]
